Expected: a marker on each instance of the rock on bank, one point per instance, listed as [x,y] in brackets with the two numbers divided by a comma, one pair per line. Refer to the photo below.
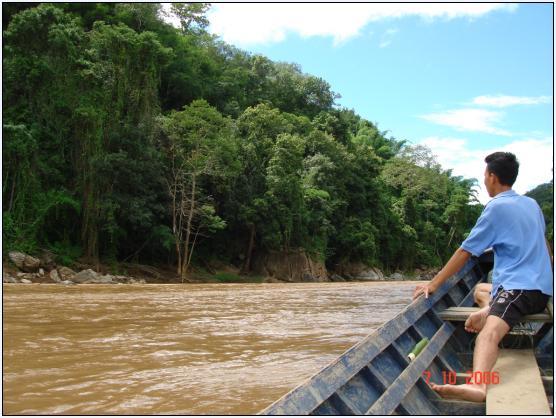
[359,271]
[290,266]
[298,266]
[44,270]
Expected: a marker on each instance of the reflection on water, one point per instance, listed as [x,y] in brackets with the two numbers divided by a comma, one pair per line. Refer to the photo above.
[178,349]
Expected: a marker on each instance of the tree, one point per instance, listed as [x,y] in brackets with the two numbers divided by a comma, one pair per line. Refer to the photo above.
[544,195]
[114,119]
[138,16]
[318,203]
[192,16]
[198,141]
[258,129]
[432,208]
[285,192]
[384,147]
[294,92]
[359,191]
[41,57]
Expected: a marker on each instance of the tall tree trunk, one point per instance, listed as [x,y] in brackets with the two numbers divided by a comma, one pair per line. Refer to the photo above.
[12,195]
[89,233]
[5,181]
[176,227]
[452,231]
[186,251]
[90,146]
[178,252]
[247,264]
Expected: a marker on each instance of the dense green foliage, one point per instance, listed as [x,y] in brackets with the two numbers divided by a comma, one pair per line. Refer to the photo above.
[126,138]
[544,195]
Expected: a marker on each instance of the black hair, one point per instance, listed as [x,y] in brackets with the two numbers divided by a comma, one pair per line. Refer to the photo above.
[504,165]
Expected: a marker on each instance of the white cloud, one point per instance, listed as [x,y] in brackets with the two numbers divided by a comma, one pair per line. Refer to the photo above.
[472,120]
[254,23]
[504,101]
[387,38]
[534,155]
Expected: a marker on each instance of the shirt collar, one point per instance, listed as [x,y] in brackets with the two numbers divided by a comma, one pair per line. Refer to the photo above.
[506,193]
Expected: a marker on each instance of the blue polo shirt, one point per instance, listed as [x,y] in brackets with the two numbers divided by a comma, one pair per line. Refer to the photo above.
[513,225]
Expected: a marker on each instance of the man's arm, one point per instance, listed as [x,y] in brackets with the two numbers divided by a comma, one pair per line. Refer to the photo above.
[454,264]
[550,254]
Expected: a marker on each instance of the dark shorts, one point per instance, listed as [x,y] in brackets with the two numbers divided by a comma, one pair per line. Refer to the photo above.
[513,305]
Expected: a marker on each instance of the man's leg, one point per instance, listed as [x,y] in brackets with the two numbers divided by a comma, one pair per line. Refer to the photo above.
[484,358]
[476,320]
[482,294]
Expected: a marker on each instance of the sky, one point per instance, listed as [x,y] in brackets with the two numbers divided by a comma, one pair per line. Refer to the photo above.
[464,79]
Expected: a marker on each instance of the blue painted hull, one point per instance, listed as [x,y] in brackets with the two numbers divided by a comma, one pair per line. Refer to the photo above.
[375,376]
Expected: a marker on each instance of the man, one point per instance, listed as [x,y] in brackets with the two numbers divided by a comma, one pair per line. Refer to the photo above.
[514,227]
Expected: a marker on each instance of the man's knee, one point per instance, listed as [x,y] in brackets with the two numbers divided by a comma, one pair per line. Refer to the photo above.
[494,330]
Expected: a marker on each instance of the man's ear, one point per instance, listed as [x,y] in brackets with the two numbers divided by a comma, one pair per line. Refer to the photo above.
[495,178]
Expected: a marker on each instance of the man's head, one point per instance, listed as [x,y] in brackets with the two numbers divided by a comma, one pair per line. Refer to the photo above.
[500,173]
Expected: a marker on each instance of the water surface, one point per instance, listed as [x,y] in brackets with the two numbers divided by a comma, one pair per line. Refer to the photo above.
[178,349]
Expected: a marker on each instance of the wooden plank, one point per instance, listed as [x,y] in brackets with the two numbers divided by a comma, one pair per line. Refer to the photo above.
[520,391]
[392,396]
[461,313]
[344,405]
[548,383]
[545,343]
[405,404]
[447,357]
[469,300]
[550,306]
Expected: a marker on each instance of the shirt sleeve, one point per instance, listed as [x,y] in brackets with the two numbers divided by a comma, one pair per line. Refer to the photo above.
[481,236]
[543,221]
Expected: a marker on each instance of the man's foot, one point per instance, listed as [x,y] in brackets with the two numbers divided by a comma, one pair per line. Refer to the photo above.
[473,393]
[476,321]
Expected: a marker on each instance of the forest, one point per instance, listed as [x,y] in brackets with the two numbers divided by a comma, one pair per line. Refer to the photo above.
[127,139]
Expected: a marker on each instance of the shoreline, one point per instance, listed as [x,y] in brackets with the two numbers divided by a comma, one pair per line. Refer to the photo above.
[220,283]
[20,268]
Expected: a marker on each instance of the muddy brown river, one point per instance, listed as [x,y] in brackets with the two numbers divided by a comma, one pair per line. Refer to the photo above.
[178,349]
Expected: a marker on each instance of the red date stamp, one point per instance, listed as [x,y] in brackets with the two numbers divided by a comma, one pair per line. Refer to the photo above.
[479,378]
[471,378]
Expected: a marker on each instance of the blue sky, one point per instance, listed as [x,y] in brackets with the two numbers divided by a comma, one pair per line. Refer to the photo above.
[463,79]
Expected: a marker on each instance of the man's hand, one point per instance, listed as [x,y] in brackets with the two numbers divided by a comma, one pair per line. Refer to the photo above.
[454,264]
[423,289]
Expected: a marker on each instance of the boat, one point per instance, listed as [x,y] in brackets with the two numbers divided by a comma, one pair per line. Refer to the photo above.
[376,376]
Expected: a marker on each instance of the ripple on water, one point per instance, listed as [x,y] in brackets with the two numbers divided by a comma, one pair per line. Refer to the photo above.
[171,353]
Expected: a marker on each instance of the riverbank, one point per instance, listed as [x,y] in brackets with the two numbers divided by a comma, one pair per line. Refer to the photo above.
[20,268]
[122,273]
